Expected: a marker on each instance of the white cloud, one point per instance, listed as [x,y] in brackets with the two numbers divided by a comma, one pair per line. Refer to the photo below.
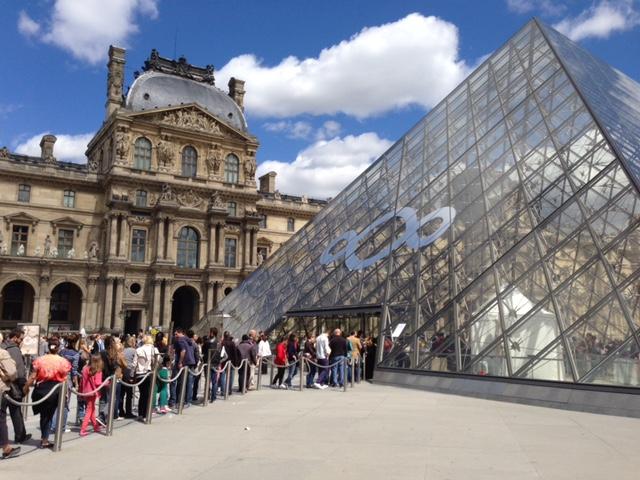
[411,61]
[68,148]
[327,166]
[86,28]
[26,25]
[295,130]
[546,7]
[601,20]
[329,129]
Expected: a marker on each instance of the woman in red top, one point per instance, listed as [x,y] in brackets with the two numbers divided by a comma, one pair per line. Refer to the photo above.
[281,363]
[48,371]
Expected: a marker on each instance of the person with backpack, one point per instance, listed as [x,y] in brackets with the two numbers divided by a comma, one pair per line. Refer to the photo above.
[8,374]
[12,346]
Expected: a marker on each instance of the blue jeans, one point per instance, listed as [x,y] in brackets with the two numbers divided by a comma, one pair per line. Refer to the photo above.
[324,372]
[311,374]
[336,371]
[293,369]
[223,380]
[188,393]
[214,385]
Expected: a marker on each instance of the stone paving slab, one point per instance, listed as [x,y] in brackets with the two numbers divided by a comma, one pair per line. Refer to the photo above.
[372,431]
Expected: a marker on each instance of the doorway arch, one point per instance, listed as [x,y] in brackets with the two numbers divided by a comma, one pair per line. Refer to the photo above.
[65,306]
[17,304]
[185,307]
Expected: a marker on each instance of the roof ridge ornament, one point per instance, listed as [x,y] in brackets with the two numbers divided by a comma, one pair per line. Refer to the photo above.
[180,68]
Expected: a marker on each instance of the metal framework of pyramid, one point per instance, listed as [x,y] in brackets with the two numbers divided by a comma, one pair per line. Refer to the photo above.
[500,236]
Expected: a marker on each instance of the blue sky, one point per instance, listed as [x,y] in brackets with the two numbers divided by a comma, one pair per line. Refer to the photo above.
[330,85]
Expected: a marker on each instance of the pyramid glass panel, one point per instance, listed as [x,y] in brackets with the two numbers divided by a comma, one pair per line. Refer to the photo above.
[499,237]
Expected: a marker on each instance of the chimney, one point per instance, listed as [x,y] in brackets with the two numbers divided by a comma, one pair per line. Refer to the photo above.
[115,79]
[236,91]
[268,182]
[46,148]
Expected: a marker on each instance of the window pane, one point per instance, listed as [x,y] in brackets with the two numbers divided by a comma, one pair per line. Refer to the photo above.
[141,198]
[263,221]
[291,224]
[189,162]
[19,240]
[188,243]
[69,199]
[138,245]
[65,243]
[230,245]
[24,193]
[231,169]
[232,209]
[142,154]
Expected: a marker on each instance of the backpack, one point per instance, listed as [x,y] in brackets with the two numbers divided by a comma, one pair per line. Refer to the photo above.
[216,353]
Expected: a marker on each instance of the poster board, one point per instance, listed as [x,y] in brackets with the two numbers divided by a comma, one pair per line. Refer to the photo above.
[31,341]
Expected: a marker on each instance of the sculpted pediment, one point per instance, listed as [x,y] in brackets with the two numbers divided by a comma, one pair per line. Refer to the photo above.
[20,218]
[191,117]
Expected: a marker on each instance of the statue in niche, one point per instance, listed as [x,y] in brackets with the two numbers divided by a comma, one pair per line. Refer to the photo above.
[47,246]
[167,193]
[37,252]
[93,250]
[53,253]
[249,168]
[71,253]
[214,160]
[165,154]
[121,141]
[215,201]
[21,250]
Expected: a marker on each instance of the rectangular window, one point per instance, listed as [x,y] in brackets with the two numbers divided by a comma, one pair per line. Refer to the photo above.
[230,245]
[263,221]
[69,199]
[232,209]
[24,193]
[19,236]
[65,242]
[138,245]
[262,254]
[291,225]
[141,198]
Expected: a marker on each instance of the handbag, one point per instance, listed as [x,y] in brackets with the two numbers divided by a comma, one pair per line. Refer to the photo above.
[14,391]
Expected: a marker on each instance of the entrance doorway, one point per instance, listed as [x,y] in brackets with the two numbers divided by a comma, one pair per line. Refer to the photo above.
[184,308]
[132,322]
[65,308]
[17,304]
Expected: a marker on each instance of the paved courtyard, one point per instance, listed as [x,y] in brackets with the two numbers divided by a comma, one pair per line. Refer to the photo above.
[370,432]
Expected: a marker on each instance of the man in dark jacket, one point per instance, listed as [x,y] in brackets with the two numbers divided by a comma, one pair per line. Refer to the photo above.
[248,353]
[12,346]
[338,345]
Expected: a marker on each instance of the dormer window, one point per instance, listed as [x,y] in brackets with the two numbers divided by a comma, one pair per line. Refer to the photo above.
[189,162]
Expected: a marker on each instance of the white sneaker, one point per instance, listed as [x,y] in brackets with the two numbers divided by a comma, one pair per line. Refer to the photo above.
[283,386]
[317,386]
[323,387]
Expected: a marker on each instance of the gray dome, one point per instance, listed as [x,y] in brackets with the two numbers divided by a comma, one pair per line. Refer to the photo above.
[157,90]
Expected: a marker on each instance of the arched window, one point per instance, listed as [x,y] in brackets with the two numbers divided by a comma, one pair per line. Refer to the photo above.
[188,246]
[189,161]
[142,154]
[231,168]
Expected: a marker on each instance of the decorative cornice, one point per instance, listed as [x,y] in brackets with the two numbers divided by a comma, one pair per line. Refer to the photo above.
[180,68]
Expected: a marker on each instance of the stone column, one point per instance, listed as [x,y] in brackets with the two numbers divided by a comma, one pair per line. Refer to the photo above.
[254,246]
[211,246]
[118,322]
[91,317]
[113,235]
[159,238]
[210,296]
[108,303]
[219,243]
[156,306]
[166,309]
[143,319]
[124,238]
[246,247]
[218,290]
[170,257]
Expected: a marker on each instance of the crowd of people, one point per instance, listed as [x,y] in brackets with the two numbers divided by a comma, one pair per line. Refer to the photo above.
[88,363]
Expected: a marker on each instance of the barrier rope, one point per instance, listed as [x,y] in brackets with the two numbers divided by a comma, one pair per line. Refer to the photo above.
[323,366]
[195,373]
[32,404]
[244,360]
[91,393]
[269,362]
[137,384]
[171,380]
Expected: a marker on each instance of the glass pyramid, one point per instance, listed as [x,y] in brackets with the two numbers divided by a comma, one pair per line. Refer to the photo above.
[500,236]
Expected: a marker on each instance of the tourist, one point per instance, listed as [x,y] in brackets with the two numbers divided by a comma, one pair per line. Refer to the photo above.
[125,403]
[161,344]
[210,344]
[338,346]
[248,355]
[180,347]
[143,364]
[197,341]
[231,355]
[47,372]
[264,351]
[281,363]
[253,339]
[309,352]
[292,357]
[355,351]
[323,350]
[12,346]
[91,380]
[112,364]
[190,361]
[161,394]
[8,374]
[371,348]
[69,352]
[85,357]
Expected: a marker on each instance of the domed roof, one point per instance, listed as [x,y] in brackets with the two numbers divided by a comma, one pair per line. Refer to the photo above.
[157,90]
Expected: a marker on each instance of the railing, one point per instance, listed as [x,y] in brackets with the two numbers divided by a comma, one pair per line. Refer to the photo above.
[111,383]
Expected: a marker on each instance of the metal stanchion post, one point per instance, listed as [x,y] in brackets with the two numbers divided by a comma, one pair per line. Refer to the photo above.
[207,380]
[344,374]
[152,391]
[301,373]
[246,367]
[112,405]
[353,371]
[271,372]
[62,392]
[360,370]
[364,365]
[183,388]
[227,379]
[259,383]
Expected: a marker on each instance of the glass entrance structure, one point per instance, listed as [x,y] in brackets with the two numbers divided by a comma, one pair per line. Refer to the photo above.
[499,237]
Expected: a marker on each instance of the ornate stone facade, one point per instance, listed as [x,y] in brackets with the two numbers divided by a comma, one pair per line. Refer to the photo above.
[163,220]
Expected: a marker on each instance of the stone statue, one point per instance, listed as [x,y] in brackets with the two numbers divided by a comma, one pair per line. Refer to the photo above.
[85,255]
[249,169]
[215,201]
[214,161]
[53,252]
[21,250]
[115,83]
[71,253]
[37,252]
[47,246]
[121,141]
[4,249]
[4,153]
[93,250]
[260,258]
[165,155]
[167,193]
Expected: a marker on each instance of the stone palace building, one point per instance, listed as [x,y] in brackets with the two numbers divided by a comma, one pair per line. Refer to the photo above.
[163,220]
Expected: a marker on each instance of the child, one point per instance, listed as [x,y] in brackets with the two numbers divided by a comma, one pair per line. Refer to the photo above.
[162,387]
[91,379]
